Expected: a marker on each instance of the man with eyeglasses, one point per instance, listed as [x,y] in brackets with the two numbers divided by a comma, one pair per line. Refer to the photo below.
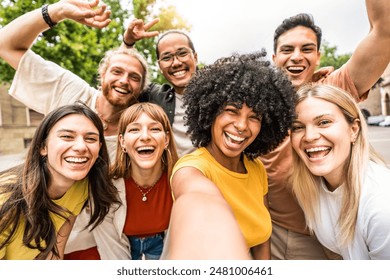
[177,60]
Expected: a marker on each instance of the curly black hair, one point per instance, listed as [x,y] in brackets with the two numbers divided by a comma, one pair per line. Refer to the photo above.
[239,79]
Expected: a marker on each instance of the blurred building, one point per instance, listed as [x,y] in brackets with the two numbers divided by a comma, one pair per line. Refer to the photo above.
[378,101]
[17,123]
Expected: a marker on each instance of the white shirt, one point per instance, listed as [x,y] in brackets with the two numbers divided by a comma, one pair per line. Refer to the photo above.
[372,233]
[182,140]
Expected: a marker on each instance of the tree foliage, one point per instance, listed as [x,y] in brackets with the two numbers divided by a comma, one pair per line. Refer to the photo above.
[169,19]
[79,48]
[330,58]
[73,46]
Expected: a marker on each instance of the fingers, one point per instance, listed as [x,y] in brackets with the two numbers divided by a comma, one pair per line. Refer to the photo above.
[150,24]
[95,3]
[102,17]
[99,17]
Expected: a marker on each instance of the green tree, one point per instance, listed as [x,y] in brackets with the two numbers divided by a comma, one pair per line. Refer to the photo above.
[330,58]
[79,48]
[74,46]
[169,19]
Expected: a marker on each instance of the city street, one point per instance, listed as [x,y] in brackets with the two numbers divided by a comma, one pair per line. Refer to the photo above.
[380,140]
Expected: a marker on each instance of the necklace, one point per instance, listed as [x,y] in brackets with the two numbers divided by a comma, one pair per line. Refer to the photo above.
[104,121]
[149,188]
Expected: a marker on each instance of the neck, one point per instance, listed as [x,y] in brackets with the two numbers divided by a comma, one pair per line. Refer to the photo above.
[234,164]
[57,191]
[108,114]
[179,90]
[147,177]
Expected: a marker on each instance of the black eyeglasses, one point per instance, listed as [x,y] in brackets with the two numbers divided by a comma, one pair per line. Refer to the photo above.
[181,54]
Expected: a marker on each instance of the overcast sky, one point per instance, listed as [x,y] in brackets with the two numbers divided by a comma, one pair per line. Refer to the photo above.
[220,27]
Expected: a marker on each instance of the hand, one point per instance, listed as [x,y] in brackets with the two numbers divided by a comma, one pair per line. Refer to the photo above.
[138,30]
[87,13]
[322,73]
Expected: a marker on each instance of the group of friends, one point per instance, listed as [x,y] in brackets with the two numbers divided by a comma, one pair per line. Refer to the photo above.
[245,158]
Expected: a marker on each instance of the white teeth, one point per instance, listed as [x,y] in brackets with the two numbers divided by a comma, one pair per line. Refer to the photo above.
[145,148]
[121,90]
[317,149]
[76,160]
[235,138]
[296,68]
[179,73]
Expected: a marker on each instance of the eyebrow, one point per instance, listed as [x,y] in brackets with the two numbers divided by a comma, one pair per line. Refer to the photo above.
[72,131]
[321,116]
[179,49]
[292,46]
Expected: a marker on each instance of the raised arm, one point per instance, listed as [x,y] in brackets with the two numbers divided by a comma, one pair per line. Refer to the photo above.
[372,55]
[138,30]
[18,36]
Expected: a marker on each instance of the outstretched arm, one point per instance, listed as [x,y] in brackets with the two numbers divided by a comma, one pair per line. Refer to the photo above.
[18,36]
[202,224]
[372,55]
[138,30]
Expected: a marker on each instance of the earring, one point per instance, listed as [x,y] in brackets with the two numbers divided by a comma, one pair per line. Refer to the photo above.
[123,155]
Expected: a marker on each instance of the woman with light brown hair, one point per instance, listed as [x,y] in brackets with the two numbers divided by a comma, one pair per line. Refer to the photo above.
[145,157]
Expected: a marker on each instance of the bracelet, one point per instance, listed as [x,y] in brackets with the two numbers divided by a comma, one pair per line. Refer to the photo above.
[46,16]
[128,45]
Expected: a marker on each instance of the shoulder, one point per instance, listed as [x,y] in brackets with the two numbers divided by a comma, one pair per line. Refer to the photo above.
[255,165]
[374,200]
[196,158]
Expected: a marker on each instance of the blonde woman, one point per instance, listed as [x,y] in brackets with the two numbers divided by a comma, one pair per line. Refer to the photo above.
[340,182]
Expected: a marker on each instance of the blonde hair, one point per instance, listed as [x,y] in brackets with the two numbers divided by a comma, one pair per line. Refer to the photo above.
[306,185]
[121,166]
[105,62]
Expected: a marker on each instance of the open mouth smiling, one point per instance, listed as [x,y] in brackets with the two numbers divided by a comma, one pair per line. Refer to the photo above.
[318,152]
[234,139]
[296,69]
[121,90]
[145,150]
[77,160]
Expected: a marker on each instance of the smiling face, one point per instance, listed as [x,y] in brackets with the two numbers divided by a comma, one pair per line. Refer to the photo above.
[71,148]
[179,70]
[322,137]
[296,53]
[232,132]
[122,82]
[144,141]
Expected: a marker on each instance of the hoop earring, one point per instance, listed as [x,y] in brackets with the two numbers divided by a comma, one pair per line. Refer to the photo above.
[123,155]
[162,158]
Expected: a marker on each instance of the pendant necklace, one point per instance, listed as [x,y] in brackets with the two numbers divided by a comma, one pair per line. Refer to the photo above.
[105,122]
[149,188]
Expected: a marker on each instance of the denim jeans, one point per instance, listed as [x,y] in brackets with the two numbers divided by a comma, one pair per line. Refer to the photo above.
[150,246]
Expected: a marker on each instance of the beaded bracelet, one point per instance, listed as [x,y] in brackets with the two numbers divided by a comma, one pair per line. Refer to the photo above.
[46,16]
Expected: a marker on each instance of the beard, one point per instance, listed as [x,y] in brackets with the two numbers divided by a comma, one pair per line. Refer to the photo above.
[118,102]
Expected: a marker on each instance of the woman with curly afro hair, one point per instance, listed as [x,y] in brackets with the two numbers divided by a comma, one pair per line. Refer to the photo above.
[238,108]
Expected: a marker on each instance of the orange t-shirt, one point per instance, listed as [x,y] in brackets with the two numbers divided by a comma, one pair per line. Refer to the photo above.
[148,217]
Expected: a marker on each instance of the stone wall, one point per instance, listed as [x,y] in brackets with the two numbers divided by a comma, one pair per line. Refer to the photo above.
[17,123]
